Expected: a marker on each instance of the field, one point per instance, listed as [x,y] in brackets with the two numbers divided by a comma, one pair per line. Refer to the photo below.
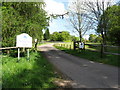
[90,55]
[95,48]
[109,49]
[35,73]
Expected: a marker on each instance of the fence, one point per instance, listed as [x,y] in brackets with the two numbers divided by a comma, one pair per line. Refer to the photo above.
[114,50]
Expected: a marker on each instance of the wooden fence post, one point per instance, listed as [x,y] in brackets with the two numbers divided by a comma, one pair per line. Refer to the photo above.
[101,50]
[74,47]
[84,45]
[70,47]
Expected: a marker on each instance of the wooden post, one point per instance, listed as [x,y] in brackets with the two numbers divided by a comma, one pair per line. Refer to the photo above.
[84,46]
[18,54]
[74,47]
[8,52]
[101,50]
[28,55]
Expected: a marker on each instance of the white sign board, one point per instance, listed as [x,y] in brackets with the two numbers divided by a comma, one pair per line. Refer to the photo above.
[81,45]
[23,40]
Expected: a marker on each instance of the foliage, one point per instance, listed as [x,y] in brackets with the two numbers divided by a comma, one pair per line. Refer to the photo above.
[36,73]
[95,38]
[22,17]
[98,39]
[73,38]
[114,24]
[47,34]
[92,37]
[110,21]
[60,36]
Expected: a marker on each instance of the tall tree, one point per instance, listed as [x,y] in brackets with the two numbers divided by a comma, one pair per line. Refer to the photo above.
[96,10]
[113,23]
[23,17]
[78,19]
[47,34]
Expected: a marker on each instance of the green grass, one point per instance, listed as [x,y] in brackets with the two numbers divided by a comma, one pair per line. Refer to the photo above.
[36,73]
[93,56]
[109,49]
[98,48]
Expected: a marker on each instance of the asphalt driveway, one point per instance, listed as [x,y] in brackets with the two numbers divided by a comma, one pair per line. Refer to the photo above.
[85,73]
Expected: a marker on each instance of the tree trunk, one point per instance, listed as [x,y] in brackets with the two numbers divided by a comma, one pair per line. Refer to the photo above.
[36,45]
[102,49]
[102,43]
[80,36]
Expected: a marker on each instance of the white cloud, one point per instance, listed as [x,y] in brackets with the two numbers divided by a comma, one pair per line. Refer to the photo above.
[53,7]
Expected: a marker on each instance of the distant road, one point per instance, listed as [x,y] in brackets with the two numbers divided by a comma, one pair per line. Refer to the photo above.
[85,73]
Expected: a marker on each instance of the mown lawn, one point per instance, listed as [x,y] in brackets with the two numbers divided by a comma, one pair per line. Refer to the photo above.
[93,56]
[35,73]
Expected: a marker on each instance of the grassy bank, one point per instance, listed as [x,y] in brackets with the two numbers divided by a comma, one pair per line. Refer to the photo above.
[93,56]
[36,73]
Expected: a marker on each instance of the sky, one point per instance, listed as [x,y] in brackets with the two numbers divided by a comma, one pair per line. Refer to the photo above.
[60,7]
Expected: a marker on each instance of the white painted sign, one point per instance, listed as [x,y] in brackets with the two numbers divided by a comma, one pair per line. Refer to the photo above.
[23,40]
[81,45]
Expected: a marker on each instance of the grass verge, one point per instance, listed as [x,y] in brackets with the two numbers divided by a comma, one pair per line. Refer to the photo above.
[93,56]
[35,73]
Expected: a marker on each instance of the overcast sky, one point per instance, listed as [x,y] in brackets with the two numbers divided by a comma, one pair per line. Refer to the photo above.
[60,7]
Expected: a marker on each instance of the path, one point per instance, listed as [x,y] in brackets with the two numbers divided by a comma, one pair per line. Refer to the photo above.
[86,74]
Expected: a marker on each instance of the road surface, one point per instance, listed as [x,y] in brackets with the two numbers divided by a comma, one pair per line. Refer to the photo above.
[85,73]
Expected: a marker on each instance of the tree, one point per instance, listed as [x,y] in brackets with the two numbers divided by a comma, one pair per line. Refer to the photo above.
[64,35]
[98,39]
[96,10]
[60,36]
[73,38]
[10,25]
[23,17]
[113,24]
[54,36]
[78,19]
[92,38]
[47,34]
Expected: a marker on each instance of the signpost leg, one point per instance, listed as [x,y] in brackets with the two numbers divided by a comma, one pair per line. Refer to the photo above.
[18,54]
[28,55]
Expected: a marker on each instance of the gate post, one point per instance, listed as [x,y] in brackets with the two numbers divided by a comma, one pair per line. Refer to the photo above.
[74,45]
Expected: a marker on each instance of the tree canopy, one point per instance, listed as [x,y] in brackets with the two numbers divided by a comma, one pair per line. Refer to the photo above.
[114,24]
[22,17]
[60,36]
[47,34]
[111,23]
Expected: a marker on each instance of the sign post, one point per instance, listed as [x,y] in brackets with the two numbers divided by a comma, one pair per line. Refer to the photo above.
[25,41]
[28,55]
[18,54]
